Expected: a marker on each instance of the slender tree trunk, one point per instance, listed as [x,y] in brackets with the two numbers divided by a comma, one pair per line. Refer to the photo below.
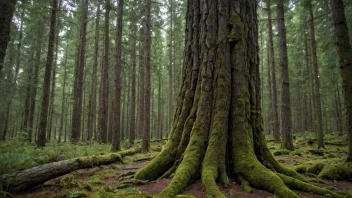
[34,87]
[318,112]
[63,104]
[104,85]
[93,95]
[170,68]
[28,93]
[46,83]
[344,51]
[270,111]
[141,88]
[117,89]
[275,117]
[159,123]
[286,120]
[147,85]
[132,130]
[78,83]
[52,97]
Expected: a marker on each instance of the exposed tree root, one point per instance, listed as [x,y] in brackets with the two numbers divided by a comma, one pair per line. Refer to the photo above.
[341,171]
[299,185]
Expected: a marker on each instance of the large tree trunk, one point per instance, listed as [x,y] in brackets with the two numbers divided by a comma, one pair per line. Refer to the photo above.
[7,9]
[29,178]
[217,124]
[79,73]
[46,83]
[286,132]
[319,116]
[93,95]
[275,117]
[147,86]
[133,76]
[104,84]
[117,91]
[344,51]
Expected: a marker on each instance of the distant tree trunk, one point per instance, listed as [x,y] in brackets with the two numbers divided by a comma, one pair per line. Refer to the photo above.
[286,121]
[78,83]
[28,93]
[53,82]
[319,116]
[17,68]
[46,83]
[117,89]
[147,86]
[104,85]
[132,130]
[63,106]
[141,88]
[93,95]
[159,123]
[270,111]
[7,9]
[170,69]
[345,60]
[275,117]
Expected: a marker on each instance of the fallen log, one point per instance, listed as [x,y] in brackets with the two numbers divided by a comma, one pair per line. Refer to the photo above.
[32,177]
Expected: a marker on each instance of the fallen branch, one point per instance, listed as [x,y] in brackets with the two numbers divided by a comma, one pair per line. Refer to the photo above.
[29,178]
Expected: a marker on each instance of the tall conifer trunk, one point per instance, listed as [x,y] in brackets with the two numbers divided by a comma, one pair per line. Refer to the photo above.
[47,75]
[217,127]
[344,51]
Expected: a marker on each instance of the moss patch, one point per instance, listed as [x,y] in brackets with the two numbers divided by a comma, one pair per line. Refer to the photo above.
[337,172]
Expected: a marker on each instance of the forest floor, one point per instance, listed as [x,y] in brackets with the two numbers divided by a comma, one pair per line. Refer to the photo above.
[103,181]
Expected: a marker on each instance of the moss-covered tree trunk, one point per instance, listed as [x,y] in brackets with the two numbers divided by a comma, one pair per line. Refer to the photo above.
[344,51]
[217,127]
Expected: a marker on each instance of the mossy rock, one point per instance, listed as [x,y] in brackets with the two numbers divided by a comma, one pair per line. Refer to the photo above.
[281,152]
[337,172]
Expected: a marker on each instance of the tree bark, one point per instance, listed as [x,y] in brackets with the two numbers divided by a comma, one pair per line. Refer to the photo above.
[217,122]
[63,104]
[29,178]
[344,51]
[47,75]
[104,84]
[78,82]
[117,97]
[147,85]
[275,117]
[286,120]
[171,95]
[132,130]
[7,9]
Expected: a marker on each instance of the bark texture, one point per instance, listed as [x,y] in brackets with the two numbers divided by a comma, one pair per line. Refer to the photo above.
[29,178]
[7,9]
[217,125]
[47,76]
[147,86]
[286,122]
[275,117]
[104,83]
[117,91]
[79,73]
[344,51]
[319,115]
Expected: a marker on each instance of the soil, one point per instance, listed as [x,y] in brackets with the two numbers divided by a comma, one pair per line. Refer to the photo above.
[110,175]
